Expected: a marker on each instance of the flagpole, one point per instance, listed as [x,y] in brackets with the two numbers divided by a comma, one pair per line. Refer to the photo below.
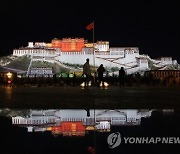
[94,83]
[93,48]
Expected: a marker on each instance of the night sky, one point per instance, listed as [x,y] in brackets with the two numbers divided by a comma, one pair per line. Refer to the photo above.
[153,26]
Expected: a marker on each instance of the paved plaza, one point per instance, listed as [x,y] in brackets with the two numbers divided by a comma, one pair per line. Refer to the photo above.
[92,97]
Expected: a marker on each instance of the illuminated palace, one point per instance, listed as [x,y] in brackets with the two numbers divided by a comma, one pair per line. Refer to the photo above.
[77,50]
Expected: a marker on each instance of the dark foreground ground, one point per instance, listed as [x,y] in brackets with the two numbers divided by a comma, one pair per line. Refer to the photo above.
[16,139]
[75,97]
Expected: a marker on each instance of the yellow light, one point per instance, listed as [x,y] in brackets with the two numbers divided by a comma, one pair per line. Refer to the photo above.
[49,128]
[106,84]
[82,84]
[48,44]
[90,128]
[89,84]
[9,75]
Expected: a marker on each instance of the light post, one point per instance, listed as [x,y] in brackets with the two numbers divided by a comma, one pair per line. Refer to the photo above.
[9,77]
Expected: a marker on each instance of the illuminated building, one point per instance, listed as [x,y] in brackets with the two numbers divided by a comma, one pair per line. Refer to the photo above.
[49,45]
[41,72]
[166,60]
[171,76]
[88,45]
[161,74]
[101,46]
[35,50]
[76,50]
[70,45]
[56,43]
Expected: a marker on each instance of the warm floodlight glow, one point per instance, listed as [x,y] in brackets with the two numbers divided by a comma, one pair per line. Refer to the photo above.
[106,84]
[9,81]
[89,84]
[9,75]
[90,128]
[49,128]
[82,84]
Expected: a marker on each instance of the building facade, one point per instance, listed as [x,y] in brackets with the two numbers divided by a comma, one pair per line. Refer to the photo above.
[171,77]
[37,49]
[77,50]
[41,72]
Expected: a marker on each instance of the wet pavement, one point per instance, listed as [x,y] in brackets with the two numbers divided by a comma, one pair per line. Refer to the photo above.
[16,139]
[122,138]
[92,97]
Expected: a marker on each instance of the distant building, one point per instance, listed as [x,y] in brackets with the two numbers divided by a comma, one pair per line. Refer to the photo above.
[170,76]
[162,74]
[142,62]
[41,72]
[88,45]
[167,60]
[101,46]
[37,49]
[56,43]
[72,44]
[76,50]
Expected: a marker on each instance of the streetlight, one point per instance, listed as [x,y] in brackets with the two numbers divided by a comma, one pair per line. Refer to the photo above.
[105,84]
[9,75]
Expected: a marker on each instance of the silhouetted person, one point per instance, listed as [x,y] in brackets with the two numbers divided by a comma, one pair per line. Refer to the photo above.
[87,71]
[88,112]
[95,78]
[100,71]
[137,79]
[61,80]
[54,78]
[122,76]
[113,79]
[74,79]
[68,79]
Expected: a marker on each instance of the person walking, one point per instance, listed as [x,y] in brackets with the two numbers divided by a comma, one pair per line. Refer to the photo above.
[100,71]
[122,74]
[87,71]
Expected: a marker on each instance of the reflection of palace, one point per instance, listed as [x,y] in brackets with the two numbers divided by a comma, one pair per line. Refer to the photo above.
[70,122]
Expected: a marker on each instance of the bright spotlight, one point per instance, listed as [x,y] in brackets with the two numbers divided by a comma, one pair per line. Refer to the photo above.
[89,84]
[9,75]
[82,84]
[106,84]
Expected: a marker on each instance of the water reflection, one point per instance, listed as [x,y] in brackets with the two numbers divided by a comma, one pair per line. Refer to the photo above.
[8,91]
[77,122]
